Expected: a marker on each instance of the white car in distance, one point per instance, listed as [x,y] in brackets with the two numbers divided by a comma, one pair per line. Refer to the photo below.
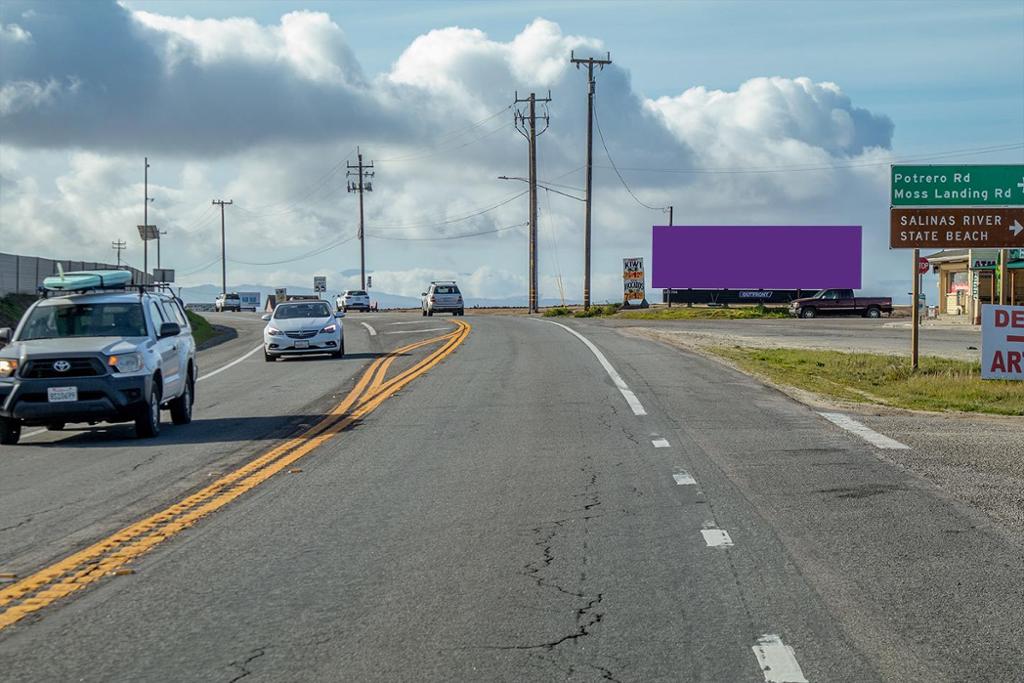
[301,328]
[353,298]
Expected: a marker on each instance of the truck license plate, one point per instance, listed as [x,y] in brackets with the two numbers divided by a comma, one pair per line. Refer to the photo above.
[62,394]
[302,344]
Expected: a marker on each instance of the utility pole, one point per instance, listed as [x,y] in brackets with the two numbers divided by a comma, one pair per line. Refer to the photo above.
[670,210]
[590,62]
[145,218]
[359,186]
[158,233]
[223,251]
[528,122]
[119,245]
[915,313]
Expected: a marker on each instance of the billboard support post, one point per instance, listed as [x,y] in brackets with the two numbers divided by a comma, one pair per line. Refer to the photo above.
[1003,258]
[915,311]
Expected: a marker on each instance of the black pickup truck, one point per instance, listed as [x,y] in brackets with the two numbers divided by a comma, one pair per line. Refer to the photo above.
[840,302]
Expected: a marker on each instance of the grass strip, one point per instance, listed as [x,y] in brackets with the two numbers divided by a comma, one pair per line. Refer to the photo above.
[707,313]
[202,330]
[939,385]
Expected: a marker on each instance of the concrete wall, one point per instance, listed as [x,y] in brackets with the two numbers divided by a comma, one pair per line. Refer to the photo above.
[24,274]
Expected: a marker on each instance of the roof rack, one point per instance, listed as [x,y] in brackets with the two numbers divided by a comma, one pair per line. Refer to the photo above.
[442,282]
[46,293]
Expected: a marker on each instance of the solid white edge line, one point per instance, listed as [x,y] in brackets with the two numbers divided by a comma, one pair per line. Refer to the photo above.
[660,443]
[863,431]
[684,479]
[229,365]
[716,538]
[777,660]
[631,399]
[369,328]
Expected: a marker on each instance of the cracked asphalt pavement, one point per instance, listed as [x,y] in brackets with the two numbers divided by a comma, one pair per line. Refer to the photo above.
[506,517]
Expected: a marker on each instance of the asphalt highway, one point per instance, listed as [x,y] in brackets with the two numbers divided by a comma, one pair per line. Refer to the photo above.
[546,502]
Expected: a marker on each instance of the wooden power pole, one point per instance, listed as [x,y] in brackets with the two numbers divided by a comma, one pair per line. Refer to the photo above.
[526,123]
[359,170]
[590,62]
[223,249]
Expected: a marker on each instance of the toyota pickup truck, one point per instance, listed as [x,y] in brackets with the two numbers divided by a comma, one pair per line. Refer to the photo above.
[840,302]
[97,355]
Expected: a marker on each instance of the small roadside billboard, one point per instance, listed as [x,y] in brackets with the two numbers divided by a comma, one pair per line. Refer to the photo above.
[1002,342]
[633,281]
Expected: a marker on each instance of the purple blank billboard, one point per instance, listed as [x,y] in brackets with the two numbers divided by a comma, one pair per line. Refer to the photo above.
[756,257]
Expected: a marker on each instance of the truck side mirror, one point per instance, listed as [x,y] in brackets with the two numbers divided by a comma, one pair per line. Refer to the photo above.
[6,335]
[169,330]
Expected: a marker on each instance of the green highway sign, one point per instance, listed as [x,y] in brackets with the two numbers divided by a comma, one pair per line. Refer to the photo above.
[958,185]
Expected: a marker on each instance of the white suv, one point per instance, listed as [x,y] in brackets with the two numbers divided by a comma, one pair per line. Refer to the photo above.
[111,355]
[353,299]
[443,295]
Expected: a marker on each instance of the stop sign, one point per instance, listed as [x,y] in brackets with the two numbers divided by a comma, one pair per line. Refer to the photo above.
[922,266]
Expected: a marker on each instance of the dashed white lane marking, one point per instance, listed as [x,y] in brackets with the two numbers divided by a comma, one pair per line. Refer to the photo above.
[631,399]
[684,479]
[426,329]
[233,363]
[369,328]
[717,538]
[863,431]
[777,660]
[660,443]
[35,433]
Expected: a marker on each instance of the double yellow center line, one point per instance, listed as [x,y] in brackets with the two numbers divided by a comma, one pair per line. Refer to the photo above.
[110,555]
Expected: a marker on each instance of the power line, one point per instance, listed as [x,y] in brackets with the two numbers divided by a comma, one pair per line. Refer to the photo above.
[435,148]
[799,169]
[622,180]
[200,268]
[448,237]
[449,221]
[310,254]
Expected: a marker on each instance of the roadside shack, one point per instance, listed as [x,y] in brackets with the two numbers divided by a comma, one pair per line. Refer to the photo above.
[970,278]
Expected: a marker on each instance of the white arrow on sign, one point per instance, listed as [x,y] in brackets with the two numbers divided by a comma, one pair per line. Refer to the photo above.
[1017,228]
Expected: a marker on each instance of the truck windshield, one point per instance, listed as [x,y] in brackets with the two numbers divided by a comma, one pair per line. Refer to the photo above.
[85,320]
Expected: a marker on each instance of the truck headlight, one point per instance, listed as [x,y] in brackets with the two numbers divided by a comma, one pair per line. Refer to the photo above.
[128,362]
[7,367]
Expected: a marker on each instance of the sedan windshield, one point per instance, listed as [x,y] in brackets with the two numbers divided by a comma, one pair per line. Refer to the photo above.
[85,320]
[311,310]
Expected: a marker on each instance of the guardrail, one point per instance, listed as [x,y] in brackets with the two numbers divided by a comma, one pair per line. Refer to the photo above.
[25,274]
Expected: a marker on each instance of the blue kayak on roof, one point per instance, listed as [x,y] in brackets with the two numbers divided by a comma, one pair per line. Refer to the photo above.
[88,279]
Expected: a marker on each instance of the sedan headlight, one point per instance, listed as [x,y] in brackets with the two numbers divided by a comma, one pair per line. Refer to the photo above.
[7,367]
[128,362]
[330,329]
[273,331]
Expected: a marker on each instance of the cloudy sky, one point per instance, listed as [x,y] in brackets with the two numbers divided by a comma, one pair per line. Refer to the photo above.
[733,112]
